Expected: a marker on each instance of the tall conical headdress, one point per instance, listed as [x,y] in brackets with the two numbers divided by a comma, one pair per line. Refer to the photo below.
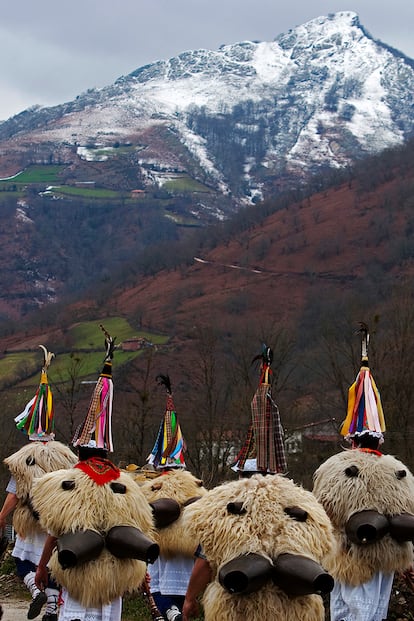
[364,414]
[169,447]
[37,419]
[264,441]
[96,429]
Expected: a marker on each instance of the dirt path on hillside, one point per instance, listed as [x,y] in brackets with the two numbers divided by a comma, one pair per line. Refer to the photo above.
[14,598]
[14,609]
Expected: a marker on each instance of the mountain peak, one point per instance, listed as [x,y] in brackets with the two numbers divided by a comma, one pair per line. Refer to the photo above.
[246,119]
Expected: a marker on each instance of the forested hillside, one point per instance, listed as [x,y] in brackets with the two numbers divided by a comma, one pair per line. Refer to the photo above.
[299,274]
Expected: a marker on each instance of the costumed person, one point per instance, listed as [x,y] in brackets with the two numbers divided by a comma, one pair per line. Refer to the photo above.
[99,523]
[170,573]
[369,497]
[265,539]
[264,438]
[202,573]
[41,455]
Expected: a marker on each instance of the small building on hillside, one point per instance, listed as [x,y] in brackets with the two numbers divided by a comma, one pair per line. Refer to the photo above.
[135,343]
[323,434]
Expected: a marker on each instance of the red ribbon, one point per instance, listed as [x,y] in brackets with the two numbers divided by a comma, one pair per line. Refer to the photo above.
[368,450]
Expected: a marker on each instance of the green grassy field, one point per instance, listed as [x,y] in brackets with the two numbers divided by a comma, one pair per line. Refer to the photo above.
[5,195]
[48,176]
[23,363]
[35,174]
[88,334]
[85,192]
[185,184]
[87,345]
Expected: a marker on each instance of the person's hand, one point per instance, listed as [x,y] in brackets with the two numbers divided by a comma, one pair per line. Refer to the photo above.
[191,609]
[41,577]
[2,523]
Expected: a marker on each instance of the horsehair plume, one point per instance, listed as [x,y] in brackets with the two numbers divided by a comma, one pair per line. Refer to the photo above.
[266,359]
[164,380]
[48,356]
[364,331]
[266,355]
[109,344]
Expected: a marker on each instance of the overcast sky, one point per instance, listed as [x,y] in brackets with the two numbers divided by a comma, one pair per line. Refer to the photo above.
[51,51]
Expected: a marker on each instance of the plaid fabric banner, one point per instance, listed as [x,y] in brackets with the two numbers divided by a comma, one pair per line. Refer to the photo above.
[83,433]
[268,432]
[248,450]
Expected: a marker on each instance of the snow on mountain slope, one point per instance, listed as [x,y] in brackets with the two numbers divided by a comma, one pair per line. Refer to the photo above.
[251,115]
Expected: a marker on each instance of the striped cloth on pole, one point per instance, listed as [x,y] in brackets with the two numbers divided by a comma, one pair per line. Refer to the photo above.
[268,432]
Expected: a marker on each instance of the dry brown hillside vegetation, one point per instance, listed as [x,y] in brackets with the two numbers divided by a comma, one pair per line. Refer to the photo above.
[337,244]
[297,275]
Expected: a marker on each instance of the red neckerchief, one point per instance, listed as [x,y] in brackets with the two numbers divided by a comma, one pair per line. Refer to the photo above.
[98,469]
[373,451]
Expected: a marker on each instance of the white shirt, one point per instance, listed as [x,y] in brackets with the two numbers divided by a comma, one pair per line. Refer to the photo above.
[366,602]
[170,576]
[71,609]
[28,548]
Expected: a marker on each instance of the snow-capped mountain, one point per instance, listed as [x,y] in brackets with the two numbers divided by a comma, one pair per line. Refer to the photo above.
[247,120]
